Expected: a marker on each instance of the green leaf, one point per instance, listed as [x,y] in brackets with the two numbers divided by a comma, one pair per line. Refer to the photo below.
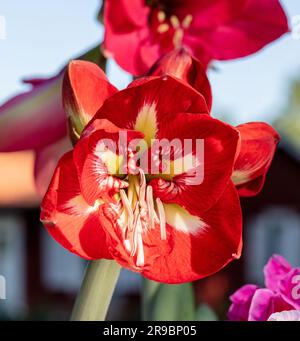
[95,55]
[168,302]
[205,313]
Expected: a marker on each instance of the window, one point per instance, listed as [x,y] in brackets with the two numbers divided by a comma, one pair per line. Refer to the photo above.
[275,230]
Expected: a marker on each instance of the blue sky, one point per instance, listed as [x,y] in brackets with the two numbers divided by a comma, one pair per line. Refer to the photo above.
[42,35]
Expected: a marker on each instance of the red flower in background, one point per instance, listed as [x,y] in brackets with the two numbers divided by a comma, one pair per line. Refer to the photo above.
[139,32]
[163,226]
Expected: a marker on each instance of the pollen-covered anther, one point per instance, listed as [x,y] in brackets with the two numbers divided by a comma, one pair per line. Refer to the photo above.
[161,16]
[163,28]
[175,21]
[186,22]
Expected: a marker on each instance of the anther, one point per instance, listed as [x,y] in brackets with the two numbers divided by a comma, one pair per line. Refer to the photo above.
[163,28]
[175,21]
[161,16]
[187,21]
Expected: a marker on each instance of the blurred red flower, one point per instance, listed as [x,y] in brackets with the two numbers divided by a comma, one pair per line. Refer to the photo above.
[139,32]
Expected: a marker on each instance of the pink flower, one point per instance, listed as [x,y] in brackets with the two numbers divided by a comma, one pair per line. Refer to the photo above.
[35,120]
[282,293]
[139,32]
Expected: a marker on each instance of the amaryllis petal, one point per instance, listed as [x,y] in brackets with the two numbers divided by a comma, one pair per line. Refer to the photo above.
[69,219]
[33,119]
[264,303]
[142,107]
[183,256]
[197,189]
[98,159]
[85,88]
[276,268]
[238,28]
[240,303]
[123,32]
[45,163]
[181,64]
[258,144]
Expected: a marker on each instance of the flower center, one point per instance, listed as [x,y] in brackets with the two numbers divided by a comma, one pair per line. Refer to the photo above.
[139,213]
[172,25]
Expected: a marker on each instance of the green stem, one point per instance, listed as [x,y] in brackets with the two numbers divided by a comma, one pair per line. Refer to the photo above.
[96,291]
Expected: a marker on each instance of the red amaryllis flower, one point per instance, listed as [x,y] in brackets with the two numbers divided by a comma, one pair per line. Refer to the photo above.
[138,32]
[104,203]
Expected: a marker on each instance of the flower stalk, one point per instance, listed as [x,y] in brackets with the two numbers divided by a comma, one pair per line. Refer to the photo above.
[96,291]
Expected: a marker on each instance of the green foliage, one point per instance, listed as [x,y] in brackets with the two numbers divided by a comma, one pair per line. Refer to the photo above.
[172,302]
[288,123]
[205,313]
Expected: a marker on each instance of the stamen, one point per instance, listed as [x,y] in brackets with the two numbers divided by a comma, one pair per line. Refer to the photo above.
[163,28]
[128,208]
[133,238]
[127,245]
[175,21]
[178,36]
[161,16]
[162,219]
[130,192]
[140,260]
[150,205]
[187,21]
[138,214]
